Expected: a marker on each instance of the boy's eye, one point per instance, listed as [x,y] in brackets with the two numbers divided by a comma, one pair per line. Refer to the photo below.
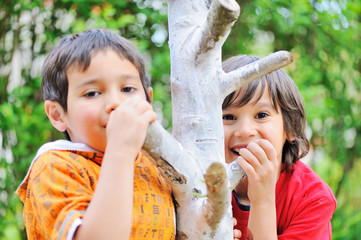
[91,94]
[228,117]
[261,115]
[128,89]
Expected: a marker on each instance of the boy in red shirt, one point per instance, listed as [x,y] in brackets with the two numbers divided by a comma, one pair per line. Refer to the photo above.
[281,197]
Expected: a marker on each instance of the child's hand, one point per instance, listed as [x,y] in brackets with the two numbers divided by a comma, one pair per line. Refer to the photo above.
[237,234]
[128,123]
[259,161]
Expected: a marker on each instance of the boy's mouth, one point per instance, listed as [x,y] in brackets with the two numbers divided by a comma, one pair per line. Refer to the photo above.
[235,151]
[237,148]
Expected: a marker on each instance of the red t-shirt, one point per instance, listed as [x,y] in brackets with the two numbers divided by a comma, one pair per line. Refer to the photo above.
[304,206]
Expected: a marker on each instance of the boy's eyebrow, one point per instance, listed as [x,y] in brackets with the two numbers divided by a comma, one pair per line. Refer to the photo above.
[95,79]
[267,104]
[264,104]
[87,82]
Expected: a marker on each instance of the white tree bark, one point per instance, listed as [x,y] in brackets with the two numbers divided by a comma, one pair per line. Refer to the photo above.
[193,158]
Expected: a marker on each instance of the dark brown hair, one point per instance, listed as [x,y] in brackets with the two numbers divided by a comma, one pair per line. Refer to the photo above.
[78,49]
[284,96]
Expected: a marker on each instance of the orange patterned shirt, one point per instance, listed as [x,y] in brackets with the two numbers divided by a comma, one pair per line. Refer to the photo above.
[59,187]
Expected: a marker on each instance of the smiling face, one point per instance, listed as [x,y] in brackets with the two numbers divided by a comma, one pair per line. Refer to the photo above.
[95,92]
[250,122]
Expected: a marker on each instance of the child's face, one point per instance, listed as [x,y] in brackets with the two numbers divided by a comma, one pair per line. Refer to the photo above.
[253,121]
[94,93]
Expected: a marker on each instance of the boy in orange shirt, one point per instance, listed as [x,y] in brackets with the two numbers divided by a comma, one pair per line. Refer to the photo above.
[97,184]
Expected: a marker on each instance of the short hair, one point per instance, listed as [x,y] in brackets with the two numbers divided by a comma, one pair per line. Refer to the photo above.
[79,49]
[284,96]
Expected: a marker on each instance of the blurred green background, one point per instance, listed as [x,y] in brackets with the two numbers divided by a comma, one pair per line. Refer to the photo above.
[323,36]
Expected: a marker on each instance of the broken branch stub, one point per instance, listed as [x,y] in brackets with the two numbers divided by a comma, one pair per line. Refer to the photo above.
[218,194]
[221,17]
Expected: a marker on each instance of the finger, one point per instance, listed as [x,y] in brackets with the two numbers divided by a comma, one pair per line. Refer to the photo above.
[143,107]
[237,234]
[250,158]
[149,116]
[137,102]
[258,152]
[134,106]
[268,148]
[246,166]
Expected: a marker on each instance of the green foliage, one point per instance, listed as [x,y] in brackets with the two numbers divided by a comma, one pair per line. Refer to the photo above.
[323,36]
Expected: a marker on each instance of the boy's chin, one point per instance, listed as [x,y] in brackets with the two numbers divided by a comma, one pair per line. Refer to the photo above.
[98,147]
[230,159]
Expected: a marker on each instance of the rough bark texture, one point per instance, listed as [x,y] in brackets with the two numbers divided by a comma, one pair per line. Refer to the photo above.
[193,158]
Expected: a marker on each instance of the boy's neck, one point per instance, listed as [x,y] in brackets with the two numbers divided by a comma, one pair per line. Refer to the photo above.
[241,190]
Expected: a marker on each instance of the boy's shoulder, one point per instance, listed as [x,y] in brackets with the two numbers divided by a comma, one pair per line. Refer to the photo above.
[307,175]
[305,182]
[60,157]
[63,152]
[73,158]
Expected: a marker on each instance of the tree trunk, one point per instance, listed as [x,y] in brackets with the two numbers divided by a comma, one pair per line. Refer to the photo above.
[193,159]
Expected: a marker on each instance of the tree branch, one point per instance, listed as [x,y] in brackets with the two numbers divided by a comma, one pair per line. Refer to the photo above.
[235,174]
[167,153]
[221,17]
[234,80]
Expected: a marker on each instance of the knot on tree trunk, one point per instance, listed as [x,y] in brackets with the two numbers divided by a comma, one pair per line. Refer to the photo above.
[218,194]
[215,177]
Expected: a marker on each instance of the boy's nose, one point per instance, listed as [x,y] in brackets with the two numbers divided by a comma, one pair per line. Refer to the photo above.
[113,101]
[244,129]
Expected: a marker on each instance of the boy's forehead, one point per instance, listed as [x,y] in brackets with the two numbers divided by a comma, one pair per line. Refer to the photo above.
[252,94]
[82,63]
[105,63]
[75,66]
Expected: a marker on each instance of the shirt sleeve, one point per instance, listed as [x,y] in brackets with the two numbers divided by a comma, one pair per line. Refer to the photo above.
[313,221]
[59,193]
[241,214]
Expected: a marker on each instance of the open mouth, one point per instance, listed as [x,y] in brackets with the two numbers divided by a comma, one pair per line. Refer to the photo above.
[235,151]
[237,148]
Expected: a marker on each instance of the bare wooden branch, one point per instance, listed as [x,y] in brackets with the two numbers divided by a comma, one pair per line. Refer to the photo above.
[235,174]
[221,17]
[167,153]
[234,80]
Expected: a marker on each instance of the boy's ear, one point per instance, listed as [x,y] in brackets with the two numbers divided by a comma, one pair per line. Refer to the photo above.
[150,92]
[290,138]
[55,113]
